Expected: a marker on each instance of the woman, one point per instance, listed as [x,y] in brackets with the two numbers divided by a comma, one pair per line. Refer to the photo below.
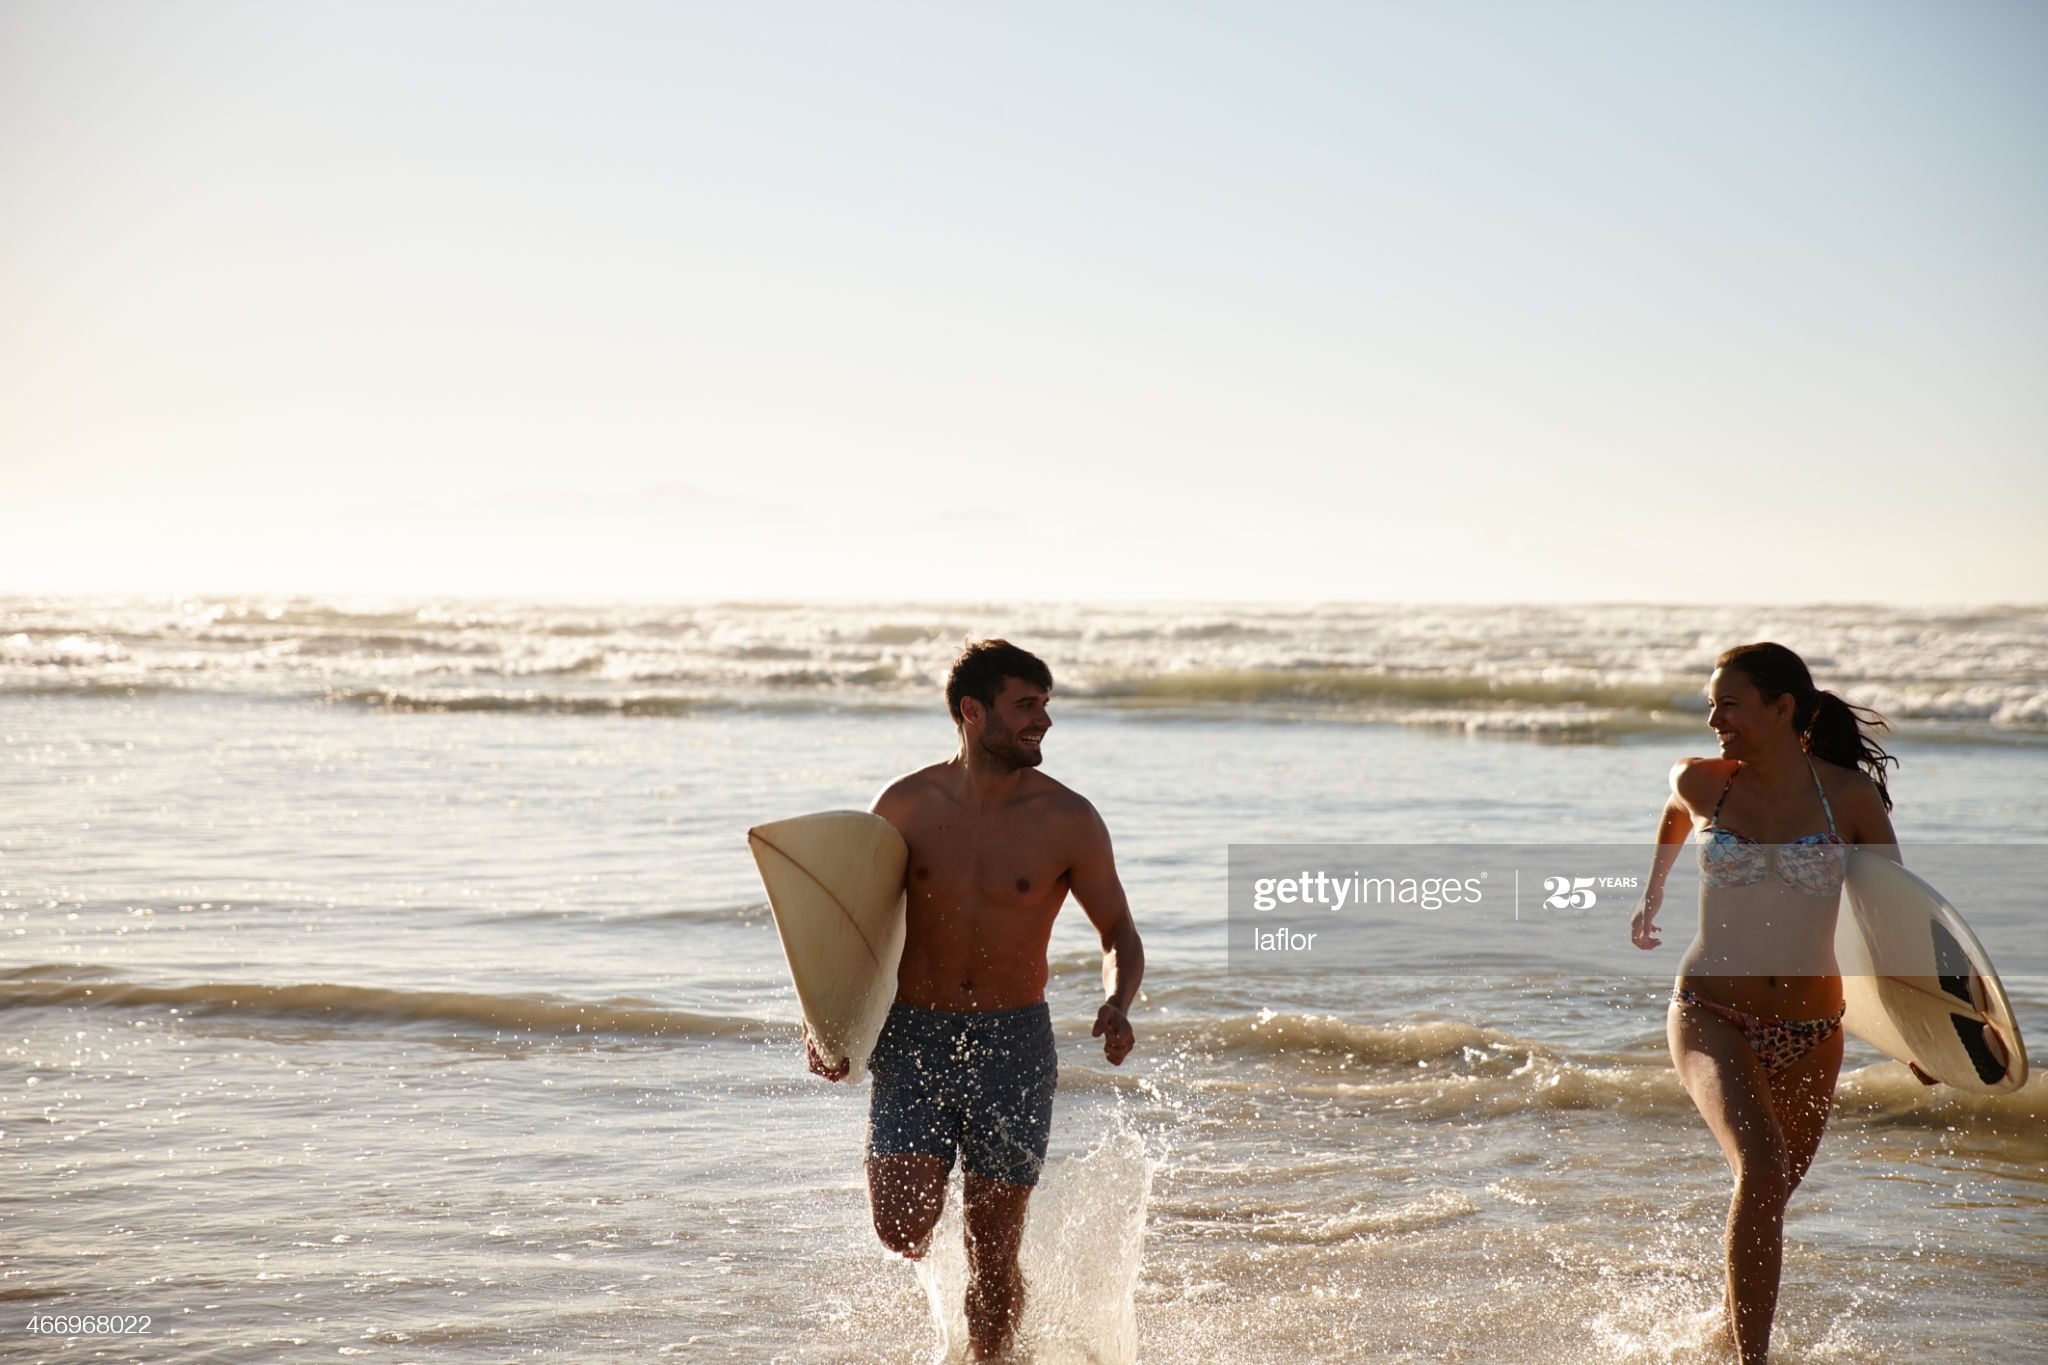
[1755,1023]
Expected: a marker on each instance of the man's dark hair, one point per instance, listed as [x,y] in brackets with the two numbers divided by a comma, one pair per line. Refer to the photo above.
[979,671]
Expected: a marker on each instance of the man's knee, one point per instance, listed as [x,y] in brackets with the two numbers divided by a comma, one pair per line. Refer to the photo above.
[906,1193]
[908,1235]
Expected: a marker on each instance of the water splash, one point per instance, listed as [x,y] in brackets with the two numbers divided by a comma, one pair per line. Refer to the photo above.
[1082,1251]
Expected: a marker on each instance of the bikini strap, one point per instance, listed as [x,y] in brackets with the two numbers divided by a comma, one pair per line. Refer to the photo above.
[1714,820]
[1825,808]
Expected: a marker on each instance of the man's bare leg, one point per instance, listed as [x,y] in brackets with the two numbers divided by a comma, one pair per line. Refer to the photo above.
[906,1193]
[995,1287]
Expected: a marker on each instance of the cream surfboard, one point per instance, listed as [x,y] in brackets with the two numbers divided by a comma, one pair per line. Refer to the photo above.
[1919,986]
[835,882]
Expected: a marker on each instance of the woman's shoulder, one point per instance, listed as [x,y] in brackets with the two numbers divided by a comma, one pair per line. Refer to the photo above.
[1849,790]
[1836,778]
[1699,781]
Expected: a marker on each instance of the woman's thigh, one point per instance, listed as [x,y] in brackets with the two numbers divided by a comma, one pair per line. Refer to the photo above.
[1801,1096]
[1729,1088]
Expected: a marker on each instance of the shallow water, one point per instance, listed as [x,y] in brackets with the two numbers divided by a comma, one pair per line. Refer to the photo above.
[418,1033]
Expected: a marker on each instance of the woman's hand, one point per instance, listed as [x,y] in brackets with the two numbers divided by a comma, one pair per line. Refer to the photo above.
[1642,930]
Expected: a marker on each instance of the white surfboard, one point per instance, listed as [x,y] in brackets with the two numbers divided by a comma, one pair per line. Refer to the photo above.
[1919,986]
[835,882]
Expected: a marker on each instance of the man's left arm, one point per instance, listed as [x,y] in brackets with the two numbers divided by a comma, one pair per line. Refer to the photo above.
[1092,877]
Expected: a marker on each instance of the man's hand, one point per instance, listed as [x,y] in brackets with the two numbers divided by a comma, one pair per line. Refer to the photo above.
[1115,1032]
[818,1065]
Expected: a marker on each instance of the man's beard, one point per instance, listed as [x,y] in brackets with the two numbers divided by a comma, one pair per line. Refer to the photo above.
[1004,747]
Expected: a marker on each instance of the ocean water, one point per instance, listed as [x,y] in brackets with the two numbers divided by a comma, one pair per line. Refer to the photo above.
[390,981]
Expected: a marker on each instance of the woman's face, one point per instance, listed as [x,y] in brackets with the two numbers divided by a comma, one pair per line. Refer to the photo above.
[1740,717]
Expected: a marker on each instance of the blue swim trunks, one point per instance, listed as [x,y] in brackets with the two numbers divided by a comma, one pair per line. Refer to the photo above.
[975,1083]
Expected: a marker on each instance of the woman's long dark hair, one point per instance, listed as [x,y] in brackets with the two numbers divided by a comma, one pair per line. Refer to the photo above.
[1827,726]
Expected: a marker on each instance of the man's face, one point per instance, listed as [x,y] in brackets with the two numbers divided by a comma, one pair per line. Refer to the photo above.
[1016,724]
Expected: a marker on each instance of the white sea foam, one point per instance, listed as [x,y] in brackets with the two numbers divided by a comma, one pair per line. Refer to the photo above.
[1083,1248]
[1560,672]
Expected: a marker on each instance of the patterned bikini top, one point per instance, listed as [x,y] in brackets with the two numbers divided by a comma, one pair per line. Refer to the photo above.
[1812,864]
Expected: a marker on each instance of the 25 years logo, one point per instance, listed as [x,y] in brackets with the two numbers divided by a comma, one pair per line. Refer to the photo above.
[1579,893]
[1569,893]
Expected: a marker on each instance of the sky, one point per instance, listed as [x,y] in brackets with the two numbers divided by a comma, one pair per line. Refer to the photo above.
[1281,300]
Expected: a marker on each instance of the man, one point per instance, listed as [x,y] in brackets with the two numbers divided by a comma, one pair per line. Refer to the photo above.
[966,1062]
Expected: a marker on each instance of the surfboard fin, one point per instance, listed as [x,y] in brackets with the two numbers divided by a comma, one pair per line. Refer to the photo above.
[1984,1056]
[1951,964]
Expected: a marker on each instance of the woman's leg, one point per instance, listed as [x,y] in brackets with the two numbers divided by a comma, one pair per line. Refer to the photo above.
[1733,1095]
[1801,1096]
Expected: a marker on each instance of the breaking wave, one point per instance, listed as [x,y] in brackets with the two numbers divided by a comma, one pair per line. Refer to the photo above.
[1888,1094]
[1337,685]
[523,1014]
[536,703]
[1299,1035]
[1446,1070]
[1568,672]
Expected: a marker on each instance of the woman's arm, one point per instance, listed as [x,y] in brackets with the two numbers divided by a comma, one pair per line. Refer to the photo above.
[1674,827]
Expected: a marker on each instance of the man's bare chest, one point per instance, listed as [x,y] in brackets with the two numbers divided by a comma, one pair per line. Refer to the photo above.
[966,863]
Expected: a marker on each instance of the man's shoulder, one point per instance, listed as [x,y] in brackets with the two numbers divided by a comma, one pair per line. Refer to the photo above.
[1060,803]
[1038,797]
[931,775]
[1044,786]
[916,787]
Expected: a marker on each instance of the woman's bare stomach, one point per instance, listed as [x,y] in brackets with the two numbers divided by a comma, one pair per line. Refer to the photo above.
[1771,997]
[1765,951]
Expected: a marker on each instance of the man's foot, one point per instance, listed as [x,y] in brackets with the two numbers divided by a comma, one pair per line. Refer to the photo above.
[991,1334]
